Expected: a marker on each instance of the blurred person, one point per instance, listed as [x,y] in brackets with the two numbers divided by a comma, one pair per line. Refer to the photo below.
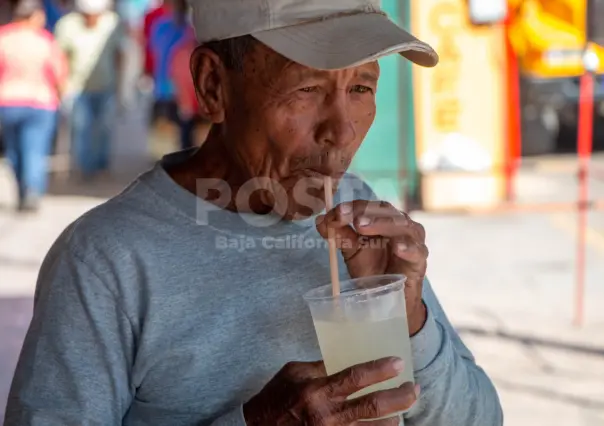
[93,38]
[144,316]
[167,28]
[193,128]
[33,74]
[157,11]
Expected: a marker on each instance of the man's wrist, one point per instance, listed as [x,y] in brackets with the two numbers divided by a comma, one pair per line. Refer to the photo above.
[426,343]
[417,319]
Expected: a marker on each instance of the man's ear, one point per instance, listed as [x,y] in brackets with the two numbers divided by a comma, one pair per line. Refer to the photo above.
[209,77]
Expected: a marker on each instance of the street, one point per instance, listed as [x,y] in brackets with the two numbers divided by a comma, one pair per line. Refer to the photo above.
[505,280]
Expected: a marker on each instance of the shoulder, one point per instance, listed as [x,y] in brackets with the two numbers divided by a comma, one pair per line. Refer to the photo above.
[116,25]
[105,235]
[6,28]
[68,19]
[12,35]
[46,36]
[151,16]
[67,23]
[155,12]
[113,18]
[12,29]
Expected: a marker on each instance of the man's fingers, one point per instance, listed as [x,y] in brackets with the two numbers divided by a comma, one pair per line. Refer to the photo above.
[392,421]
[395,225]
[360,376]
[380,404]
[345,213]
[304,370]
[373,218]
[410,251]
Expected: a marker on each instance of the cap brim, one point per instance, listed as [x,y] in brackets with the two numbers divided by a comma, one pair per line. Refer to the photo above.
[346,41]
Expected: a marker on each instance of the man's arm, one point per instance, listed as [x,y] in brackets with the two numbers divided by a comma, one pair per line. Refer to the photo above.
[74,367]
[59,68]
[454,390]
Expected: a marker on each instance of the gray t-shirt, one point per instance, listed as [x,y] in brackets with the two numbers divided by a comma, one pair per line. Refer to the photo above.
[156,309]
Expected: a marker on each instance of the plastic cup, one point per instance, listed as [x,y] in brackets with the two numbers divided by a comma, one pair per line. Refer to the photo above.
[366,322]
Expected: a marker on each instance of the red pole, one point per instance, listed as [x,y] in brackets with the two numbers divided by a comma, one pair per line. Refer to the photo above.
[513,129]
[584,147]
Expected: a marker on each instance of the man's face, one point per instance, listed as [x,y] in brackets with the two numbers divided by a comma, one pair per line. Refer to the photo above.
[295,124]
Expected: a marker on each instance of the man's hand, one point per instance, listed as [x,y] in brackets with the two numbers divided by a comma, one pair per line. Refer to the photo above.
[376,238]
[302,394]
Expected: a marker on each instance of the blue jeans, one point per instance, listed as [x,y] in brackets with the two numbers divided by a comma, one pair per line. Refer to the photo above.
[91,130]
[28,134]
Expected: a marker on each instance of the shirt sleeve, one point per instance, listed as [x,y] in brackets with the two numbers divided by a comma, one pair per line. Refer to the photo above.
[454,390]
[75,364]
[61,34]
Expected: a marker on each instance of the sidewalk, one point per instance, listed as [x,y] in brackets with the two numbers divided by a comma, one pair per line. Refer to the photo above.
[508,288]
[506,282]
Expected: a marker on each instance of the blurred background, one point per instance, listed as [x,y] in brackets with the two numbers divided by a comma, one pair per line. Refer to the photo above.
[497,151]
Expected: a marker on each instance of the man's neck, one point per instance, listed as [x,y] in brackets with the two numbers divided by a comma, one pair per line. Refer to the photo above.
[213,161]
[91,21]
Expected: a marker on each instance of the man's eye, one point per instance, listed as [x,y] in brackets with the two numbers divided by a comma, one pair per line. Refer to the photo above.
[309,89]
[361,89]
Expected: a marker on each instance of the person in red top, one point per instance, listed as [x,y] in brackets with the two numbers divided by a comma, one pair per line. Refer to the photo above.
[30,90]
[186,97]
[166,7]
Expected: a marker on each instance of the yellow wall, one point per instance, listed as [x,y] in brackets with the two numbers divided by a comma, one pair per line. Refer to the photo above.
[465,92]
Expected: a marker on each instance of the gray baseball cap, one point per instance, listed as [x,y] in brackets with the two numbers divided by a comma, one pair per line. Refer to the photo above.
[321,34]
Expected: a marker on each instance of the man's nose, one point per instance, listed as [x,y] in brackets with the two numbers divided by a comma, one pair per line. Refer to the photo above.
[337,128]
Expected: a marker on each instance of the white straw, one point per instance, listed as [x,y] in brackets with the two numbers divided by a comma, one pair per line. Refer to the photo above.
[331,240]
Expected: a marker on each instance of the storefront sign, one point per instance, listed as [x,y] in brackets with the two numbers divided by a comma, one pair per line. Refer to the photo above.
[463,95]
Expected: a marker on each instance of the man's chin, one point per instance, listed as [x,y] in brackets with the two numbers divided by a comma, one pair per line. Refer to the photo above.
[305,196]
[305,207]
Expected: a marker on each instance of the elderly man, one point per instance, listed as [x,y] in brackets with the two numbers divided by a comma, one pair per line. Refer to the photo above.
[179,302]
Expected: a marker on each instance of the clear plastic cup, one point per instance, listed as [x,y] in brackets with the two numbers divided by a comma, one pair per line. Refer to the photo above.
[366,322]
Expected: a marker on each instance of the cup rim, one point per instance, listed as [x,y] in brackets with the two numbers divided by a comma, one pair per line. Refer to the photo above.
[397,279]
